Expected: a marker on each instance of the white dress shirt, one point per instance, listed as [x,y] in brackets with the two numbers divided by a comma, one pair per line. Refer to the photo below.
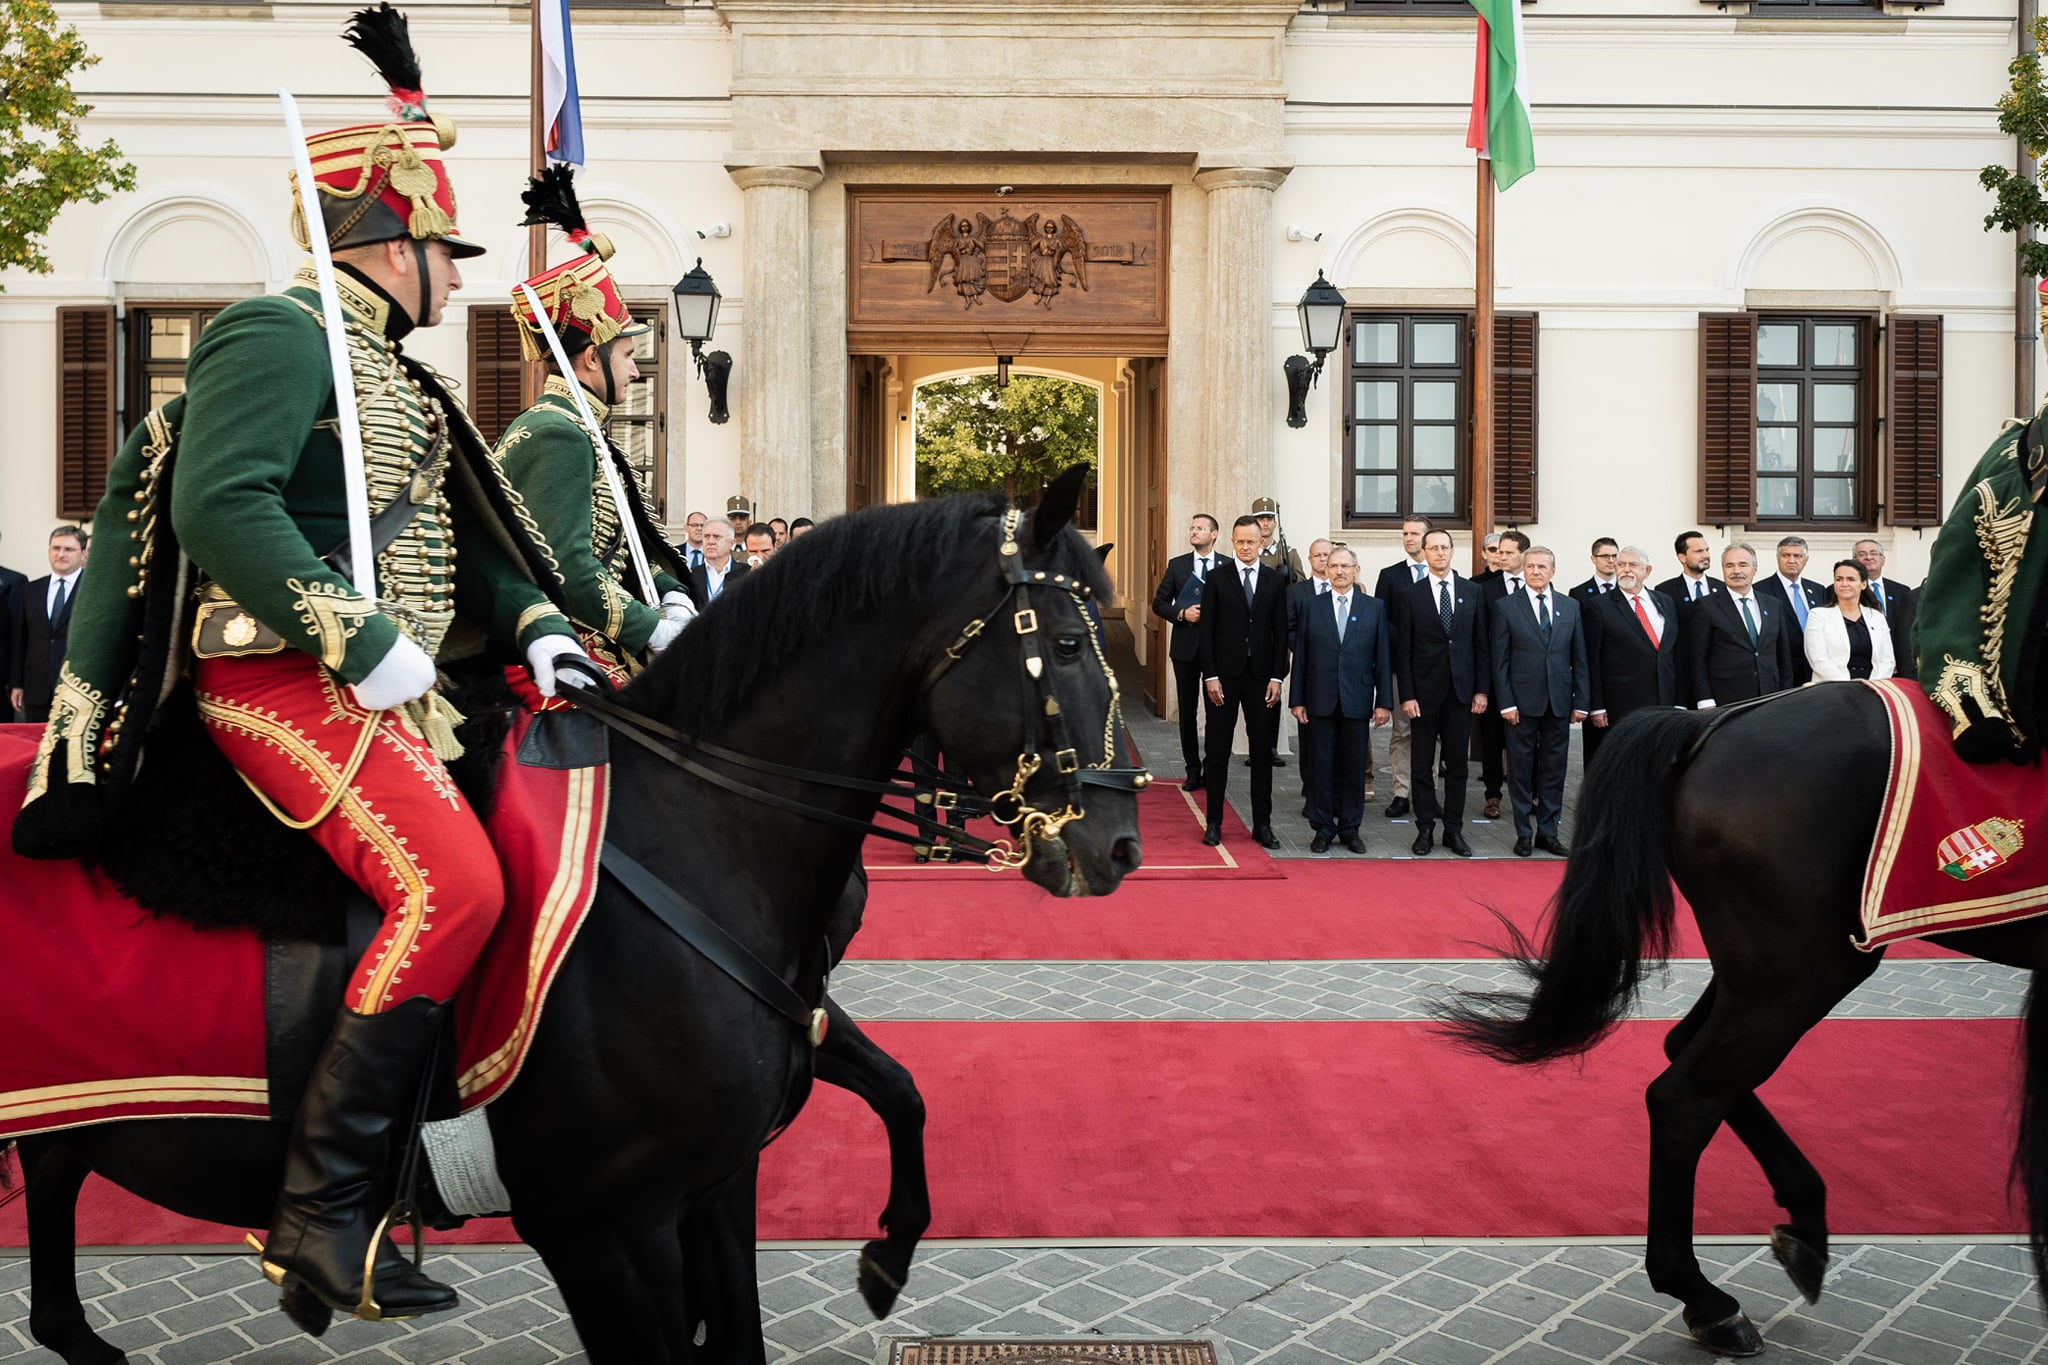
[68,584]
[714,579]
[1436,593]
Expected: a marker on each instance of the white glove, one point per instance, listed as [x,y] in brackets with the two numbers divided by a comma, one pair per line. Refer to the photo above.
[540,662]
[677,607]
[665,632]
[404,674]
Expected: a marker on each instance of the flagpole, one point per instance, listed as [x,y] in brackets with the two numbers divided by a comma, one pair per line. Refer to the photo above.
[533,376]
[1482,371]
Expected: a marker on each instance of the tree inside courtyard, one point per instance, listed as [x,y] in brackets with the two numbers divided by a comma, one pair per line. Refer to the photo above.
[973,435]
[44,164]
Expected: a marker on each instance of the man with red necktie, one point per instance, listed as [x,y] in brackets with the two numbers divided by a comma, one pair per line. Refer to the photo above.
[1631,644]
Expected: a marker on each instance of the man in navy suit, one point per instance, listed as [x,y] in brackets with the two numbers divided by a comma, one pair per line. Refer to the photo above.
[1540,686]
[1632,644]
[1243,653]
[1797,596]
[1440,665]
[42,627]
[1394,580]
[1605,551]
[1342,683]
[1737,645]
[1897,601]
[1692,581]
[1185,639]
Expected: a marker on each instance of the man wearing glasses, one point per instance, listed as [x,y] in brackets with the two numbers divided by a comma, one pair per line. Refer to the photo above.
[692,549]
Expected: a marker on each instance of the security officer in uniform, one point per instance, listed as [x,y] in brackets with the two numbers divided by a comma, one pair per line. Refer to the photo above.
[551,458]
[324,700]
[1274,552]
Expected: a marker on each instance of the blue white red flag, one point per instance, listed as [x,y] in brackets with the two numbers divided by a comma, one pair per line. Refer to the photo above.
[560,114]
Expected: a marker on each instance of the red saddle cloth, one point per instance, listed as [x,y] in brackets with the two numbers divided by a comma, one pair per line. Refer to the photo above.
[108,1012]
[1951,850]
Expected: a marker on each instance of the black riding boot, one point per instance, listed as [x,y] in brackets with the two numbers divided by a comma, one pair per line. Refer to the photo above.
[364,1084]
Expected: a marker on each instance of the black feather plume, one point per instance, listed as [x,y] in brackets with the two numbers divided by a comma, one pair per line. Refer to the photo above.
[550,197]
[381,35]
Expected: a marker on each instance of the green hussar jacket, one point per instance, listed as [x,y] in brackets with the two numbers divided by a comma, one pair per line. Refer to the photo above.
[550,458]
[235,489]
[1978,629]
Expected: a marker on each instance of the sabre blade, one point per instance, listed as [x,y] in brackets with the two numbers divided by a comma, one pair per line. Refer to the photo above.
[354,478]
[627,524]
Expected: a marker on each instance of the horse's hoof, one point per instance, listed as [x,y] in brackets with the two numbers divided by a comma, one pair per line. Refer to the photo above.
[305,1308]
[1734,1335]
[878,1288]
[1802,1261]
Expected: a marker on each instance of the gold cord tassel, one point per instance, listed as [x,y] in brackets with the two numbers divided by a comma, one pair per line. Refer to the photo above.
[437,721]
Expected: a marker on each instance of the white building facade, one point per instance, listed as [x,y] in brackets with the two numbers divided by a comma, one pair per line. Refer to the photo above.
[1747,290]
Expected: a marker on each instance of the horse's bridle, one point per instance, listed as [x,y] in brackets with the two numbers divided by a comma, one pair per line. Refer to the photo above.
[931,795]
[1011,807]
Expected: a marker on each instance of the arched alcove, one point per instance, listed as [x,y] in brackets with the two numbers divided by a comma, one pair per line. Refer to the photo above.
[1413,247]
[1819,248]
[193,234]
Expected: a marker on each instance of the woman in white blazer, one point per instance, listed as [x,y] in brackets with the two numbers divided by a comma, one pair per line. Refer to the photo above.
[1849,639]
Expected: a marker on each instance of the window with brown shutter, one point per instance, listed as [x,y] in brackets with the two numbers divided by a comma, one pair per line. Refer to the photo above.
[1727,418]
[1913,421]
[86,432]
[495,365]
[1514,417]
[1407,414]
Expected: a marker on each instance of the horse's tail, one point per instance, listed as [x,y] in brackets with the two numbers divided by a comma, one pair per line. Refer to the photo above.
[2030,1159]
[1614,908]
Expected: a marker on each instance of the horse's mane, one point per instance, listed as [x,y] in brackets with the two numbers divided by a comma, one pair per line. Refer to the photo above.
[848,565]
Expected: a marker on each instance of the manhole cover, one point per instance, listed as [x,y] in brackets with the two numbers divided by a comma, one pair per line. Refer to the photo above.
[1047,1351]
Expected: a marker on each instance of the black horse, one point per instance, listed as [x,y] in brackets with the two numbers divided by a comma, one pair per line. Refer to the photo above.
[655,1077]
[1773,876]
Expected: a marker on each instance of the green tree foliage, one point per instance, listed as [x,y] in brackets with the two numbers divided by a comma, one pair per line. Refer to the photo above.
[43,164]
[972,435]
[2022,113]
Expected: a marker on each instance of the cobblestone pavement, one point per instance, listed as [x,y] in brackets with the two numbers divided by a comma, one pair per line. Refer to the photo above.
[1913,988]
[1915,1303]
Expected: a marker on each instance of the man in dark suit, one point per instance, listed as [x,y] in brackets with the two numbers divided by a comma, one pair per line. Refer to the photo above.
[1736,645]
[1795,595]
[1182,585]
[1692,581]
[41,627]
[1632,647]
[719,571]
[1541,686]
[1310,587]
[1605,551]
[1441,656]
[1492,738]
[1898,602]
[1394,580]
[1243,653]
[1341,684]
[11,582]
[692,547]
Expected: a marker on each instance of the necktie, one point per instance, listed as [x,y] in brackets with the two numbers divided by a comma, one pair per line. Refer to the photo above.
[1251,586]
[1543,615]
[1798,594]
[1343,614]
[1321,587]
[1607,587]
[1748,622]
[1514,583]
[1643,617]
[1415,573]
[1877,590]
[1443,605]
[63,596]
[1697,590]
[696,559]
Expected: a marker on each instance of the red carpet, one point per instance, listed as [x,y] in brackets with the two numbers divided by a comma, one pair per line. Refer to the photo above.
[1347,1130]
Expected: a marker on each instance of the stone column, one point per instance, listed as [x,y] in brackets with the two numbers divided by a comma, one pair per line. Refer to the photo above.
[774,370]
[1237,426]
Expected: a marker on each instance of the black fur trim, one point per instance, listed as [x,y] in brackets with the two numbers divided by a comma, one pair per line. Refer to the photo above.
[195,843]
[550,198]
[382,35]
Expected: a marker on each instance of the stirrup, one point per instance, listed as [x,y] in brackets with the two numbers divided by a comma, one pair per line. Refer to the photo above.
[366,1309]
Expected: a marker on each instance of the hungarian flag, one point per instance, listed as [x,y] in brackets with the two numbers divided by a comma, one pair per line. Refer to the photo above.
[1500,93]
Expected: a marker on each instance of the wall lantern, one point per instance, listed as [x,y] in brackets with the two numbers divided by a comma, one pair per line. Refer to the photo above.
[1003,371]
[696,304]
[1322,323]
